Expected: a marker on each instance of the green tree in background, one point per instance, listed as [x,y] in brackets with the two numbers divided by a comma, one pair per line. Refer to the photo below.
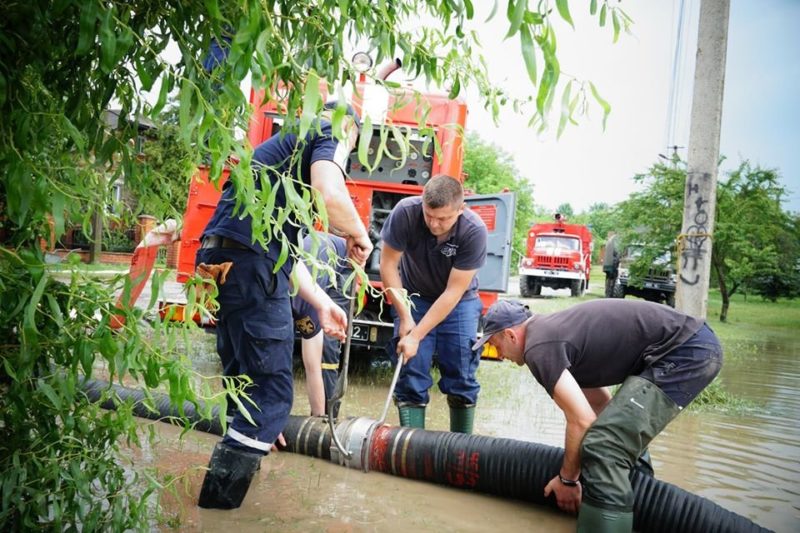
[489,169]
[168,166]
[750,225]
[62,65]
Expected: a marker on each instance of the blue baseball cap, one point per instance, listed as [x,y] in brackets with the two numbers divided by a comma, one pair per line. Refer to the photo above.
[501,315]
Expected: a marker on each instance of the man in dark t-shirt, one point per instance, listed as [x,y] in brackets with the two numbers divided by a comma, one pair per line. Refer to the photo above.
[254,320]
[432,249]
[662,358]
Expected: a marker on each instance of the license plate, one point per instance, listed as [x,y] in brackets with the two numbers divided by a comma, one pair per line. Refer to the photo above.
[360,332]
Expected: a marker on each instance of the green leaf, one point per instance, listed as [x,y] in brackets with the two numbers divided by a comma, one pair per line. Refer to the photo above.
[86,29]
[565,114]
[311,102]
[605,105]
[166,85]
[455,89]
[528,53]
[615,22]
[603,12]
[470,9]
[364,141]
[108,42]
[493,12]
[593,7]
[563,10]
[48,391]
[520,7]
[213,9]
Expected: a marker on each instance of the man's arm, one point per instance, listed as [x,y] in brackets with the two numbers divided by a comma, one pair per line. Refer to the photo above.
[326,177]
[457,284]
[390,277]
[598,398]
[579,414]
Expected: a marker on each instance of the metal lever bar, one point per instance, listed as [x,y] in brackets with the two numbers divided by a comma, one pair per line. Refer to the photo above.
[341,383]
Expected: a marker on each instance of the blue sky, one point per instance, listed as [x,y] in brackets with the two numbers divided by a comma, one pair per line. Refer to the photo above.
[761,113]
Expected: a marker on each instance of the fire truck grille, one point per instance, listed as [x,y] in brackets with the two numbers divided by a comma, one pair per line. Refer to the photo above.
[547,261]
[656,274]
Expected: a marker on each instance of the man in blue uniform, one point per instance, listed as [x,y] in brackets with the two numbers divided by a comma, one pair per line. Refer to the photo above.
[321,351]
[432,249]
[662,358]
[254,321]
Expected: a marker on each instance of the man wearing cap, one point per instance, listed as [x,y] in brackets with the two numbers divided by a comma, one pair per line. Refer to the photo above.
[662,358]
[432,248]
[254,321]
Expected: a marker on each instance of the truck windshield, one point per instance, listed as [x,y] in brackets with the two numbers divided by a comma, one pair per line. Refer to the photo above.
[551,242]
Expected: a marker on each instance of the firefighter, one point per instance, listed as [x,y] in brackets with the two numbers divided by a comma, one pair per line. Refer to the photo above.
[662,358]
[432,249]
[321,351]
[254,321]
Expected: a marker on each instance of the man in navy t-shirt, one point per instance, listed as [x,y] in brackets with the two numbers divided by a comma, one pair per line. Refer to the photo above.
[254,321]
[432,249]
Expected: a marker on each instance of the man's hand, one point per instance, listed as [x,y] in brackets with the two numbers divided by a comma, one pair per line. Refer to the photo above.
[332,319]
[407,347]
[405,327]
[568,498]
[359,248]
[280,443]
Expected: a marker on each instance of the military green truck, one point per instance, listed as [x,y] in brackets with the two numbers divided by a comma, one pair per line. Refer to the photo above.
[625,276]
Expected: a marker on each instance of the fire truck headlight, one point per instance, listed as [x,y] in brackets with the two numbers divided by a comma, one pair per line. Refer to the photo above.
[577,266]
[623,272]
[362,62]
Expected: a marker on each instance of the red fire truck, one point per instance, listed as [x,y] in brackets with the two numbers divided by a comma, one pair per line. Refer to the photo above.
[375,193]
[559,256]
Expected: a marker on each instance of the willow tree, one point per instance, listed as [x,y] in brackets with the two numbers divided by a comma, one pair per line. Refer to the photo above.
[62,64]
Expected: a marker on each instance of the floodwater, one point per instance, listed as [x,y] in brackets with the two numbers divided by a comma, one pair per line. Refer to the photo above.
[747,461]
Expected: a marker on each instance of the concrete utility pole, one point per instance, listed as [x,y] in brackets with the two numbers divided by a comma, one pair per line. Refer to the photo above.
[700,197]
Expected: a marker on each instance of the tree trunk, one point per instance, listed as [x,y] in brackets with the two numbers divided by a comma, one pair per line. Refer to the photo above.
[723,290]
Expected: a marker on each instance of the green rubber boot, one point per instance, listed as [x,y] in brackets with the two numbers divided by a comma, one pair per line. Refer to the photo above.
[462,415]
[592,519]
[411,415]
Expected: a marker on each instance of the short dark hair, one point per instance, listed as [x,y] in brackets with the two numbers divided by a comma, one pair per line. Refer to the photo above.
[442,190]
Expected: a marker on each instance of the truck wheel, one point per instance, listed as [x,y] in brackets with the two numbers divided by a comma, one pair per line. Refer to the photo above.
[609,293]
[575,288]
[618,291]
[537,288]
[524,286]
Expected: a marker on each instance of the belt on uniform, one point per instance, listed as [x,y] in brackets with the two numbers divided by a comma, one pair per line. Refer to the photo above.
[215,241]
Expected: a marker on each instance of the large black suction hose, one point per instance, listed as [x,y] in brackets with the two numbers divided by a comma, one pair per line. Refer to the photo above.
[503,467]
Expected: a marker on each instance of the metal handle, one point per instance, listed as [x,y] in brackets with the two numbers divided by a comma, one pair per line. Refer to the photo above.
[391,389]
[341,383]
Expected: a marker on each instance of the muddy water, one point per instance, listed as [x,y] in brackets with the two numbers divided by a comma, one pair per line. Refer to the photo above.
[748,462]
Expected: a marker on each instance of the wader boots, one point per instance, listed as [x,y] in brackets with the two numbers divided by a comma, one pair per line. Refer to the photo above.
[230,472]
[462,415]
[611,448]
[412,415]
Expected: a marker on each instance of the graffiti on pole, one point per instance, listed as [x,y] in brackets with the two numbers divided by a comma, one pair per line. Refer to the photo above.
[692,249]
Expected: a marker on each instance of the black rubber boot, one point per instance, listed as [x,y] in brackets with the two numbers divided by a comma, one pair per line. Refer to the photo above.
[411,415]
[462,415]
[230,472]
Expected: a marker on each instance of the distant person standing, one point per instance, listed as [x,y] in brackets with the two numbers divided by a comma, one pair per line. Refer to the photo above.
[432,248]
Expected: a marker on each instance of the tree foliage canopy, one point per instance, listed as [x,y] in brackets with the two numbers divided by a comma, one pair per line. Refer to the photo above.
[751,233]
[62,64]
